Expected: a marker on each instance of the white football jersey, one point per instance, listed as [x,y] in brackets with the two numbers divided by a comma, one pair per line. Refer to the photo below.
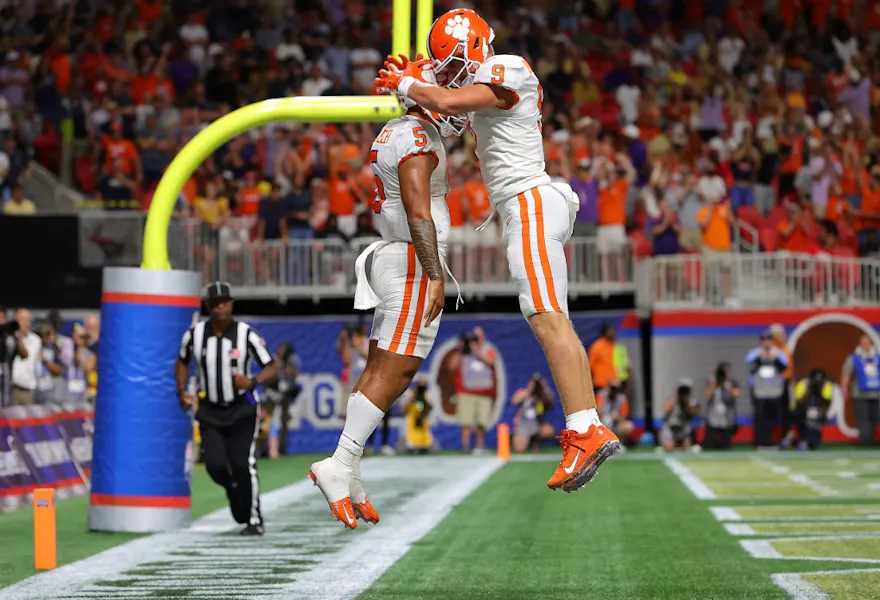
[510,144]
[400,140]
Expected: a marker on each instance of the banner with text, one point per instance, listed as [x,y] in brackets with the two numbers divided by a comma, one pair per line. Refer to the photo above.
[44,446]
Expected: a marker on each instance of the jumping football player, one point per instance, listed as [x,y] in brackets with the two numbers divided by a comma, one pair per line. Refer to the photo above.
[402,277]
[503,98]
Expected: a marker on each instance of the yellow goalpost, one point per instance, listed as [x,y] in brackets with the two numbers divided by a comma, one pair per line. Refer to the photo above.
[302,109]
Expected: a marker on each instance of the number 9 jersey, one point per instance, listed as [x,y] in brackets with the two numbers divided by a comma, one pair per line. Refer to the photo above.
[510,144]
[400,140]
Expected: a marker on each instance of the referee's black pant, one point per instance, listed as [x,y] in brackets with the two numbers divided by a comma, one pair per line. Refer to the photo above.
[231,461]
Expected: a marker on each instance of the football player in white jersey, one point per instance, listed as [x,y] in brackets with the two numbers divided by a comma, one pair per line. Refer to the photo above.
[402,277]
[503,99]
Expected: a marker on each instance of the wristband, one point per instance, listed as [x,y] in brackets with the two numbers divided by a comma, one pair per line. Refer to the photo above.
[405,84]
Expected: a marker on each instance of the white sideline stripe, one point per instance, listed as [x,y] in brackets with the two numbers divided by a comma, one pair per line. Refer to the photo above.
[348,574]
[725,513]
[110,563]
[691,481]
[340,575]
[739,529]
[798,588]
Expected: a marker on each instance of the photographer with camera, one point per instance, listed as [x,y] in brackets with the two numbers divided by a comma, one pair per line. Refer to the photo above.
[614,411]
[281,393]
[767,365]
[27,356]
[720,410]
[678,416]
[475,387]
[529,425]
[50,385]
[809,408]
[417,437]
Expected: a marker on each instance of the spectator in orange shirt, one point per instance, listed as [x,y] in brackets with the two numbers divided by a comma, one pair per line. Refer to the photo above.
[614,180]
[344,196]
[249,196]
[715,219]
[483,252]
[601,359]
[794,230]
[117,147]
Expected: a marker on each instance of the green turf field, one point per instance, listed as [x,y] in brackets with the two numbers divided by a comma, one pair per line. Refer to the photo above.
[723,526]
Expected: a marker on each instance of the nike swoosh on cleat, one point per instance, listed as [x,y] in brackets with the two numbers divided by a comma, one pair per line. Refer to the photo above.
[348,518]
[570,467]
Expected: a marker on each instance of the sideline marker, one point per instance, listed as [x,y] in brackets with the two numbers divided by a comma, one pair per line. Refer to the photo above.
[44,529]
[504,441]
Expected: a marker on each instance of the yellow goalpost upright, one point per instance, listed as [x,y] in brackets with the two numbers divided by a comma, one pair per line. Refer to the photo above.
[303,109]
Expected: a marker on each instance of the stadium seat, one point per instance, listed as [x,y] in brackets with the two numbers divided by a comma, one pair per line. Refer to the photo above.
[846,235]
[776,215]
[750,215]
[642,247]
[769,238]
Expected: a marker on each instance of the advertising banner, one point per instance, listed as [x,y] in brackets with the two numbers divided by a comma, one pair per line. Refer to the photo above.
[44,446]
[317,415]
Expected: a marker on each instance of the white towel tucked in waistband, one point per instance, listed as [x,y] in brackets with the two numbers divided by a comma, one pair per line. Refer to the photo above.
[364,296]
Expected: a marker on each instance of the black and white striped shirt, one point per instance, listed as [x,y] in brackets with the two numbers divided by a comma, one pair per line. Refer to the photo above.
[218,357]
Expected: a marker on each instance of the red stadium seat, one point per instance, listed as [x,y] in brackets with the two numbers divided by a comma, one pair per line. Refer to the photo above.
[769,238]
[750,215]
[642,247]
[778,213]
[846,235]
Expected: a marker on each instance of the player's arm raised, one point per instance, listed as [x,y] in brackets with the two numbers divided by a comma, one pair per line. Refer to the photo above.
[414,174]
[457,101]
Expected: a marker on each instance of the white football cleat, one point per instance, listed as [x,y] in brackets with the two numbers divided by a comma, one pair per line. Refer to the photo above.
[334,480]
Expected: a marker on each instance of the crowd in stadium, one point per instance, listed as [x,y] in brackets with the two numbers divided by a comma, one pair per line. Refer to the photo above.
[667,123]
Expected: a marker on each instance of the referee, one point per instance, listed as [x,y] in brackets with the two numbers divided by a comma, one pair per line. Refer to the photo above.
[227,413]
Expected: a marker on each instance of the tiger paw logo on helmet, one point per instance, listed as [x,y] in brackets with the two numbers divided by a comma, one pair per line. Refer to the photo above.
[458,27]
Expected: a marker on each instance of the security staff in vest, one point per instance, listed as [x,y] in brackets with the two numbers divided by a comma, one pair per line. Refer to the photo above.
[809,407]
[227,413]
[766,365]
[861,377]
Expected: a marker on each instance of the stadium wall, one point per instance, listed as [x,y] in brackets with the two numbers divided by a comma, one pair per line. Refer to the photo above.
[692,343]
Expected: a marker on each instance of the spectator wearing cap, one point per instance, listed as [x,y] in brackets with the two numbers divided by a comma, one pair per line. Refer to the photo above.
[766,365]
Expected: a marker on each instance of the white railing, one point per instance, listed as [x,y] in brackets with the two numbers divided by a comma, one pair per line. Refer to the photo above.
[758,280]
[325,268]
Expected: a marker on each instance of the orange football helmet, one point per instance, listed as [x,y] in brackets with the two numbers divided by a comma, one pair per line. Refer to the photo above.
[423,70]
[458,43]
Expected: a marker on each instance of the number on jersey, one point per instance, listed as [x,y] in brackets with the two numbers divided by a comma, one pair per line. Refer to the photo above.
[540,96]
[380,187]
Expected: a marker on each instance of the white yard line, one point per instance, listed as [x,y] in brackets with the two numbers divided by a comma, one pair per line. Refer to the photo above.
[426,490]
[798,588]
[690,480]
[765,549]
[739,529]
[797,478]
[725,513]
[760,549]
[347,574]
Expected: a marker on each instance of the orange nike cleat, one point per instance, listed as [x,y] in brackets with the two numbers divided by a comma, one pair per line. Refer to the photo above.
[582,455]
[364,510]
[334,486]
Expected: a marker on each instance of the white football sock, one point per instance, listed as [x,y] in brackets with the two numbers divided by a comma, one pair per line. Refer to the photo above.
[361,420]
[581,420]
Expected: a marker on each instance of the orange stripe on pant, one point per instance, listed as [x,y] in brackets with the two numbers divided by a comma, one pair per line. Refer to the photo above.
[418,317]
[542,250]
[397,338]
[527,253]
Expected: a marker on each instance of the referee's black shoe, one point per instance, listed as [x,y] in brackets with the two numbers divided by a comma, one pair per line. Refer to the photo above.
[252,530]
